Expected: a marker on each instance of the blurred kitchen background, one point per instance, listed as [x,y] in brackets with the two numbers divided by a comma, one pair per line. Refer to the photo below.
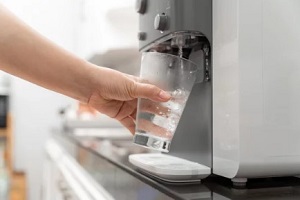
[101,31]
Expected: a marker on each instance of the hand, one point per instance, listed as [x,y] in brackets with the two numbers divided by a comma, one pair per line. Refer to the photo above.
[28,55]
[115,94]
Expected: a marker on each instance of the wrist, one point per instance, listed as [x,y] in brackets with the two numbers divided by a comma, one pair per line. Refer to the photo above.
[94,80]
[85,83]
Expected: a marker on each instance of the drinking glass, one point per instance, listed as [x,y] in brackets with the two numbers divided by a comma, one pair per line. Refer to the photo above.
[156,122]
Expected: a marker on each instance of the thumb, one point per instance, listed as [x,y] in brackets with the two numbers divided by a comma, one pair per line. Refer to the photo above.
[148,91]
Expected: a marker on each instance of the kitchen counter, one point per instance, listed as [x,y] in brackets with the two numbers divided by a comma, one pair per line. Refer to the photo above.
[107,162]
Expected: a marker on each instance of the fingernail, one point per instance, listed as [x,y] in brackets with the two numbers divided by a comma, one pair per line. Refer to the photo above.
[164,95]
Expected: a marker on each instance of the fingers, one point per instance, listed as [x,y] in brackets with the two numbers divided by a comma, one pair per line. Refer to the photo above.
[153,108]
[148,91]
[129,124]
[153,129]
[127,108]
[133,115]
[145,125]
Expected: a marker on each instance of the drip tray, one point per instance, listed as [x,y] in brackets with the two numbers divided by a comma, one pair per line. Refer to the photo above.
[169,169]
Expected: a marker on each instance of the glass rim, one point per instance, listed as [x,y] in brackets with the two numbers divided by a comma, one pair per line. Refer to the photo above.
[177,57]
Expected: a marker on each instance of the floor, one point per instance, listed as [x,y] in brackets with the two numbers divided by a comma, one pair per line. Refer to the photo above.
[18,187]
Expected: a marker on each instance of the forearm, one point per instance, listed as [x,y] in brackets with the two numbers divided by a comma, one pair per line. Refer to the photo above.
[26,54]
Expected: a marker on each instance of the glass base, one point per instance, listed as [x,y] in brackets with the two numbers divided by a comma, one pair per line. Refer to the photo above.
[152,142]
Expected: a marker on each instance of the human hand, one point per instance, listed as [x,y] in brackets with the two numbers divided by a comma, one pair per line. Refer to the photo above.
[28,55]
[115,94]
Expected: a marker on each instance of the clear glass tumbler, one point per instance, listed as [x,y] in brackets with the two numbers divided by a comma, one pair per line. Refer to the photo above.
[156,122]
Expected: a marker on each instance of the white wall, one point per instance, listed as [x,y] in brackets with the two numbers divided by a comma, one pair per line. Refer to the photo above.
[34,109]
[81,26]
[106,25]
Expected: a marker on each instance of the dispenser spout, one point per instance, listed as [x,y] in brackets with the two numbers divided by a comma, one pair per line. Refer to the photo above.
[190,45]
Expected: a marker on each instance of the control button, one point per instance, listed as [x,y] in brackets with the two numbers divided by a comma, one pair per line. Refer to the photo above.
[141,36]
[160,22]
[140,6]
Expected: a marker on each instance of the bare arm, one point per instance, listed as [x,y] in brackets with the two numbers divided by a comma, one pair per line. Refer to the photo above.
[28,55]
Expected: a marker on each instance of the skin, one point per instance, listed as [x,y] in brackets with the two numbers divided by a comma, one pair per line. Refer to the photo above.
[30,56]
